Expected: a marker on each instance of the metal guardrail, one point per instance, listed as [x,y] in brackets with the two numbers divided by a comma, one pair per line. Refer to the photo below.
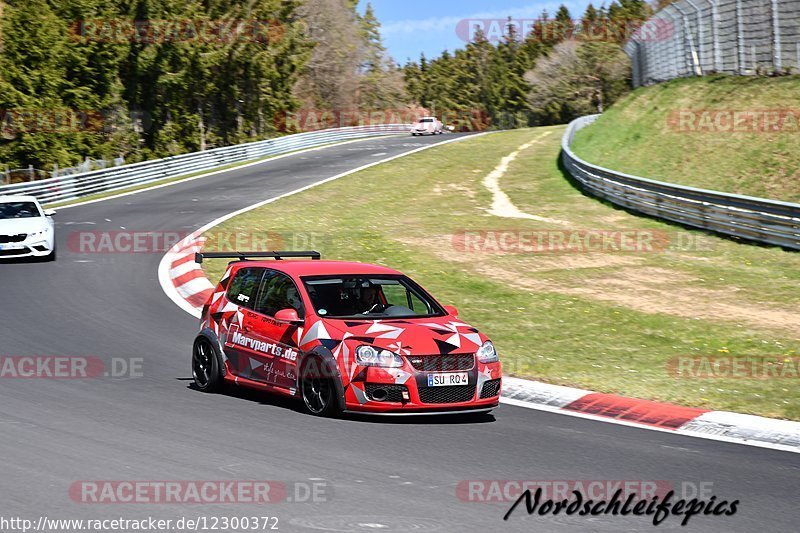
[75,186]
[754,219]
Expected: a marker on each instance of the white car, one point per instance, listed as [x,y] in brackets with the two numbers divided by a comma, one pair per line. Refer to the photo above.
[428,126]
[26,230]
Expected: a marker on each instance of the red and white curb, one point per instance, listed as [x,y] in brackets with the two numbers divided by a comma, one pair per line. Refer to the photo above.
[185,283]
[187,277]
[715,425]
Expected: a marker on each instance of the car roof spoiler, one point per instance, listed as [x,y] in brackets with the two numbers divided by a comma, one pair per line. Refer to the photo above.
[246,256]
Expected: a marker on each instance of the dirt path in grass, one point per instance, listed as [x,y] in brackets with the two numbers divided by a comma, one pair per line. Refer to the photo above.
[502,206]
[632,284]
[652,290]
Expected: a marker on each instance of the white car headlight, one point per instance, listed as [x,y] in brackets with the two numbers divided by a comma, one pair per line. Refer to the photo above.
[371,356]
[487,353]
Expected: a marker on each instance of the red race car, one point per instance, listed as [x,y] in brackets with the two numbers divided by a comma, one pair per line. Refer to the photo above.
[341,336]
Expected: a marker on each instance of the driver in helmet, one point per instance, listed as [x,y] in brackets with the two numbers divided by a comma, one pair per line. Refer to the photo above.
[370,300]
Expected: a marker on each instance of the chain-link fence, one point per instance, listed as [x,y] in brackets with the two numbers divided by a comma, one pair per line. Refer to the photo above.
[697,37]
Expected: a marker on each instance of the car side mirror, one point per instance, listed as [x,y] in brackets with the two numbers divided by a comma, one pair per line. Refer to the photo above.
[451,310]
[49,212]
[289,316]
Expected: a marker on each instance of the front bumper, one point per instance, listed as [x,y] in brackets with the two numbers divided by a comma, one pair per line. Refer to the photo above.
[405,390]
[411,412]
[40,248]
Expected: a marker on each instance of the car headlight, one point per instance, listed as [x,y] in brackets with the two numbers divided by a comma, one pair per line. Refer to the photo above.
[371,356]
[487,353]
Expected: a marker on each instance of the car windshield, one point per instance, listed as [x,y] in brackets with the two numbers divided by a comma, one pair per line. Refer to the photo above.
[18,210]
[426,120]
[369,297]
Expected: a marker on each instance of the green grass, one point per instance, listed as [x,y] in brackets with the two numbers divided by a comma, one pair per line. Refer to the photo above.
[636,136]
[604,321]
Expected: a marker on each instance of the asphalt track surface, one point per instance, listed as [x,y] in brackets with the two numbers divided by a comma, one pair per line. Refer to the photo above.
[381,474]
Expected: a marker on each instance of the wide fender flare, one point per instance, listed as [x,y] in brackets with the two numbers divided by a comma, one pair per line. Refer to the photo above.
[330,366]
[216,346]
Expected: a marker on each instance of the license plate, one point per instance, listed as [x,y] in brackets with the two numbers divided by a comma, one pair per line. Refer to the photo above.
[448,379]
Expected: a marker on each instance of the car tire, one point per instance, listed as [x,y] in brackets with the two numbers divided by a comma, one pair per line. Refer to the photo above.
[318,389]
[52,256]
[205,366]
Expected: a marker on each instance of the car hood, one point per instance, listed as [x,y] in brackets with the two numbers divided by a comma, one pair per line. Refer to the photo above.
[413,336]
[15,226]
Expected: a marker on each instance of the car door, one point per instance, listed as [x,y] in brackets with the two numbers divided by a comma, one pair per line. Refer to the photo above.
[242,292]
[277,341]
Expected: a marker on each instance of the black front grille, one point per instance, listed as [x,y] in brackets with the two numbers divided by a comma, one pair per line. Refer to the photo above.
[442,363]
[452,394]
[18,251]
[490,388]
[5,239]
[394,393]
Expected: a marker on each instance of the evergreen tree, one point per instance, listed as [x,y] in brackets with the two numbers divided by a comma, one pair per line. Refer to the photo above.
[381,81]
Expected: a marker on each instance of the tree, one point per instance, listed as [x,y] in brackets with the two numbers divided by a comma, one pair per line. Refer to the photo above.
[381,80]
[563,24]
[147,97]
[577,78]
[49,78]
[329,79]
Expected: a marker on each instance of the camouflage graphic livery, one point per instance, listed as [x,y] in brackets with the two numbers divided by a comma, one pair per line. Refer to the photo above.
[342,337]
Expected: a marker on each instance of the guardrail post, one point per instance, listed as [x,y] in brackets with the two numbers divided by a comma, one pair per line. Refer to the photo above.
[31,174]
[691,60]
[741,67]
[777,63]
[681,59]
[700,36]
[715,34]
